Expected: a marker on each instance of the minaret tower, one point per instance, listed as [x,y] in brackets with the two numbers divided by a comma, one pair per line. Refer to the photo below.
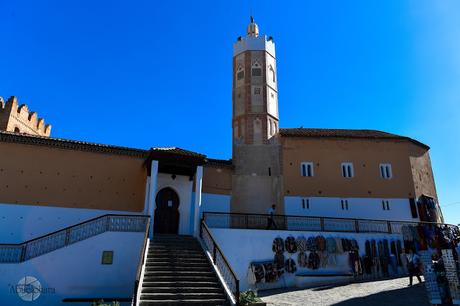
[256,152]
[255,94]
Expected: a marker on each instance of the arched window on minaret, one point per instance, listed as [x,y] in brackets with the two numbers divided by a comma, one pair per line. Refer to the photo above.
[240,72]
[272,73]
[256,68]
[17,130]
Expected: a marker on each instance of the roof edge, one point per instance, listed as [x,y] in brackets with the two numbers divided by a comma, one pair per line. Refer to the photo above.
[284,132]
[67,144]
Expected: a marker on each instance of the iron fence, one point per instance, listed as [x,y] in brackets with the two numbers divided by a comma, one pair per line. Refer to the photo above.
[305,223]
[16,253]
[220,261]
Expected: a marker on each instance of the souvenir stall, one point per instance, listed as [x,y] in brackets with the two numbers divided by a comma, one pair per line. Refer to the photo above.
[438,247]
[314,260]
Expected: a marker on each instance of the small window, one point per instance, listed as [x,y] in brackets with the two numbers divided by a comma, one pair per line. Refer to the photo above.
[306,169]
[385,205]
[305,203]
[256,72]
[256,69]
[385,171]
[240,73]
[344,204]
[272,73]
[107,257]
[347,170]
[257,90]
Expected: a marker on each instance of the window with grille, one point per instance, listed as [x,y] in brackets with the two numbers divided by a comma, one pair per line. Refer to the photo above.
[344,204]
[385,205]
[347,170]
[305,203]
[385,171]
[306,169]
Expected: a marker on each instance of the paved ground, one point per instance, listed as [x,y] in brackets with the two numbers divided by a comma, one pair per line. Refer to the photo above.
[392,292]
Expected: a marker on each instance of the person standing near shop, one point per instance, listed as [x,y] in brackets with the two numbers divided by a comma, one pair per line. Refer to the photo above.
[413,266]
[271,221]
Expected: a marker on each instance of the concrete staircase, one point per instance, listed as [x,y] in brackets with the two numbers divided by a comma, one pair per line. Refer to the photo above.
[177,272]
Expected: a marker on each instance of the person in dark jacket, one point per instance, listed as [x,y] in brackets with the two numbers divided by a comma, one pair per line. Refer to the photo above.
[413,265]
[270,221]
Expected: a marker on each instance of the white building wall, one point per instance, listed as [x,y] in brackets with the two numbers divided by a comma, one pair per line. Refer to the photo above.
[19,223]
[241,247]
[359,208]
[215,203]
[76,271]
[183,186]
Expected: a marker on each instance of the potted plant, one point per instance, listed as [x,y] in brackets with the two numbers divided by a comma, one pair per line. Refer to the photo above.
[250,298]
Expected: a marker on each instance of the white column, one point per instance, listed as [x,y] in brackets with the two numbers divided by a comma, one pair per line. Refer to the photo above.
[152,193]
[198,185]
[147,196]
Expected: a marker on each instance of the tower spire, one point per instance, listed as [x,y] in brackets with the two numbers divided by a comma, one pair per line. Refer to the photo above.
[253,28]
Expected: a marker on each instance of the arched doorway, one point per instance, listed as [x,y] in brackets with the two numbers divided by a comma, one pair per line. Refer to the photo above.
[166,219]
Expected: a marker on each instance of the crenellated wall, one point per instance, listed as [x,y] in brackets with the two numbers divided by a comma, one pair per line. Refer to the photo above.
[18,118]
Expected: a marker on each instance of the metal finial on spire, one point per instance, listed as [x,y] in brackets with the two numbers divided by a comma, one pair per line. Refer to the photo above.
[253,28]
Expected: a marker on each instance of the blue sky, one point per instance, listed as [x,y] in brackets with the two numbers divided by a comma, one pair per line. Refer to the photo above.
[158,73]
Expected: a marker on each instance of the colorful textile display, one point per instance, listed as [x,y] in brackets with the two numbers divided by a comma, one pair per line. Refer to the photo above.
[290,245]
[311,244]
[278,245]
[279,261]
[451,275]
[321,243]
[290,265]
[301,244]
[331,246]
[431,283]
[302,259]
[313,260]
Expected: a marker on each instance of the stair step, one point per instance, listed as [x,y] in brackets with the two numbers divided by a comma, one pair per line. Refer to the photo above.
[176,261]
[176,258]
[175,252]
[176,268]
[157,283]
[175,278]
[203,264]
[181,296]
[179,273]
[184,302]
[159,262]
[157,289]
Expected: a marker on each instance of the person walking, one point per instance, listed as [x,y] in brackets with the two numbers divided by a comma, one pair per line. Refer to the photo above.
[413,266]
[271,221]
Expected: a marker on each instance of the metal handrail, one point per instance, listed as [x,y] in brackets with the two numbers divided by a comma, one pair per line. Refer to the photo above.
[354,225]
[141,263]
[217,250]
[20,252]
[340,218]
